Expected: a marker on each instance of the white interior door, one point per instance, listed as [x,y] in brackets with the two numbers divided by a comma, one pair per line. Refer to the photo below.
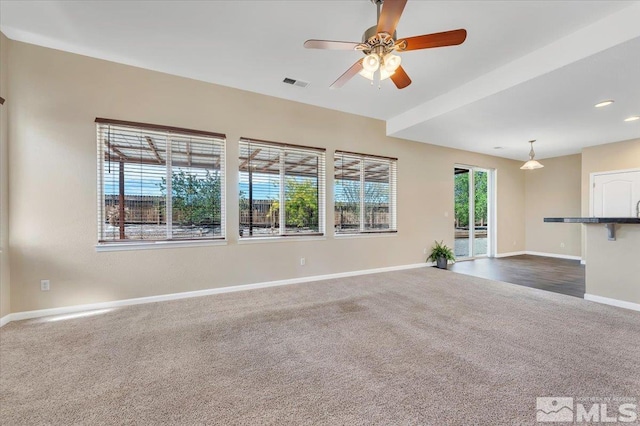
[615,194]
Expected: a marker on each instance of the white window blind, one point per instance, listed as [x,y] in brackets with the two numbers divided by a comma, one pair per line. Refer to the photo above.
[282,189]
[158,183]
[364,193]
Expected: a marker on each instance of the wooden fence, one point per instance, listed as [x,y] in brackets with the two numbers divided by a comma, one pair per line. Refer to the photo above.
[150,209]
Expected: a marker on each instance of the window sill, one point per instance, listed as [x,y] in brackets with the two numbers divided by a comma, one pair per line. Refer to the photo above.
[257,240]
[367,235]
[157,245]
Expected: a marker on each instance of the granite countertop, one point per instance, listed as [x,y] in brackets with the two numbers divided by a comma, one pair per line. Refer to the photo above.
[593,219]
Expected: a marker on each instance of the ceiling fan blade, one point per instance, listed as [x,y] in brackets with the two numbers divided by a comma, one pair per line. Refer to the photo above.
[400,78]
[330,44]
[342,80]
[447,38]
[390,15]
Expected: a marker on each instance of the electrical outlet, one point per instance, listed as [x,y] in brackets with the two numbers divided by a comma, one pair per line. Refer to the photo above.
[446,214]
[45,285]
[424,251]
[514,242]
[302,261]
[562,245]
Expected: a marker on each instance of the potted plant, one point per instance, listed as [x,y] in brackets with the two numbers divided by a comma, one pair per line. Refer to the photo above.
[441,254]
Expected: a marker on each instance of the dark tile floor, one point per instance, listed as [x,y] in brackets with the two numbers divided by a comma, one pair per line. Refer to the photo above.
[545,273]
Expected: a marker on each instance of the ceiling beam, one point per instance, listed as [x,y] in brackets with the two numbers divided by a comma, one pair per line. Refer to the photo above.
[153,162]
[251,157]
[153,148]
[601,35]
[121,156]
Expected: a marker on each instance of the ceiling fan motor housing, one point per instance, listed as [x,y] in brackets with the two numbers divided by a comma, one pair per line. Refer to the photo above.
[372,41]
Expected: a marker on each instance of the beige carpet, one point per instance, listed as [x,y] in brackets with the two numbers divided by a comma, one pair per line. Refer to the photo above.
[421,346]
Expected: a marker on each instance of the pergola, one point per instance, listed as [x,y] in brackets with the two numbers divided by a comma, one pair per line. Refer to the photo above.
[142,144]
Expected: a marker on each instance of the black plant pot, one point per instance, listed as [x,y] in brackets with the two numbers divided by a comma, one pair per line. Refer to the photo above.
[441,263]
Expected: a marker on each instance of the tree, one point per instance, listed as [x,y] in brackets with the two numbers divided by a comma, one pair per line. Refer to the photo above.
[301,204]
[480,198]
[347,202]
[461,195]
[195,198]
[461,189]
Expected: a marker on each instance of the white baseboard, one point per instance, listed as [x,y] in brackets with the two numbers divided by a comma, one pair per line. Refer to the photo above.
[513,253]
[538,253]
[558,256]
[18,316]
[612,302]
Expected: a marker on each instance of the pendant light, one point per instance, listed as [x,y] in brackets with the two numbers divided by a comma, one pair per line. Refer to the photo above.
[531,164]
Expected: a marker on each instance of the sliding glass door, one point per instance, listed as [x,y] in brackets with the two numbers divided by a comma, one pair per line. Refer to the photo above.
[473,211]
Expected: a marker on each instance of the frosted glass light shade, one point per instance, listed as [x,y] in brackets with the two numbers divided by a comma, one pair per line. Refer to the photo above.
[371,62]
[392,62]
[384,74]
[531,165]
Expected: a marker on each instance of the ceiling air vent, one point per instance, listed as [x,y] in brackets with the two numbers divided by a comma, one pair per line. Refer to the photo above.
[294,82]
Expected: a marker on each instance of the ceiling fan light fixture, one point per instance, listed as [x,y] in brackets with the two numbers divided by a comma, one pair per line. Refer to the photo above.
[371,62]
[532,164]
[392,62]
[370,75]
[366,74]
[380,40]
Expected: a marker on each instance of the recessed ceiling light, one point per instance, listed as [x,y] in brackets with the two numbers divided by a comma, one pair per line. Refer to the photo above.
[498,147]
[632,118]
[603,103]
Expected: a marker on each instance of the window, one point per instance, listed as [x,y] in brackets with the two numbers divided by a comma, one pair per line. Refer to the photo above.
[159,183]
[281,189]
[364,193]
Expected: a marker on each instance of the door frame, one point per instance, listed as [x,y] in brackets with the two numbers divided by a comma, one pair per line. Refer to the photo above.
[491,210]
[592,183]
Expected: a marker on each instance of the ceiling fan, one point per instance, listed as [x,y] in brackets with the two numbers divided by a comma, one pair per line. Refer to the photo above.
[379,44]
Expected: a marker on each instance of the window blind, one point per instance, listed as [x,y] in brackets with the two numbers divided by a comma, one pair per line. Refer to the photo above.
[282,189]
[159,183]
[364,193]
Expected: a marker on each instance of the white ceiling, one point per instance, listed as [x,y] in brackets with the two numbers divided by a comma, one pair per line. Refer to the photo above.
[528,69]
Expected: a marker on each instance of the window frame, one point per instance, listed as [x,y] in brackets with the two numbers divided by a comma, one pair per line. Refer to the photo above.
[217,139]
[321,179]
[393,195]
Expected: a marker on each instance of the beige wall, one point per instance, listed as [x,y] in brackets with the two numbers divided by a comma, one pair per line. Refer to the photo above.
[604,158]
[613,269]
[553,191]
[55,99]
[4,185]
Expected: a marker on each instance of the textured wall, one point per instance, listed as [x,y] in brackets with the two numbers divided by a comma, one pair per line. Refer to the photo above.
[5,307]
[554,191]
[56,97]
